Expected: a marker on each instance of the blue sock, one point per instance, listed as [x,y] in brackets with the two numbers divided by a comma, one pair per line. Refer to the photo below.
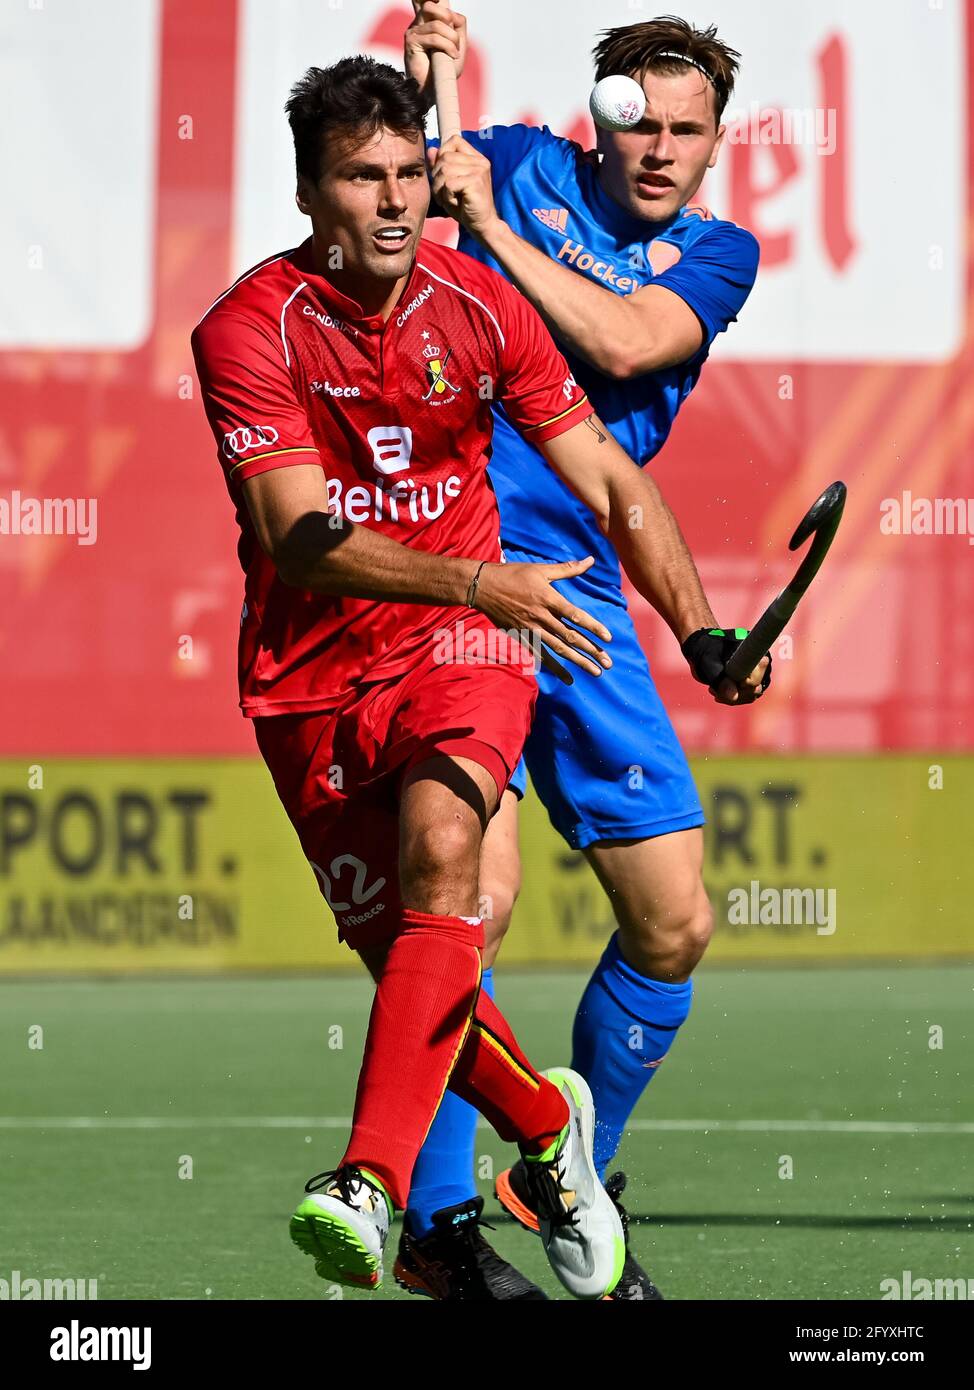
[624,1027]
[443,1176]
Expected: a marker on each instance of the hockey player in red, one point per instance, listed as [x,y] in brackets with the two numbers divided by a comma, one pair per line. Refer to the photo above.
[349,385]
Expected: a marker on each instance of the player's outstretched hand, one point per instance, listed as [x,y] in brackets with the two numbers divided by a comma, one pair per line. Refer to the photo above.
[520,597]
[435,29]
[708,651]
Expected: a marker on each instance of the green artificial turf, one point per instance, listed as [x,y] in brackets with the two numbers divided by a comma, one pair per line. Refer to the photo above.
[253,1080]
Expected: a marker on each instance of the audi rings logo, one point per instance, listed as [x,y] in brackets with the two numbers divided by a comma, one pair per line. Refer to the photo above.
[249,437]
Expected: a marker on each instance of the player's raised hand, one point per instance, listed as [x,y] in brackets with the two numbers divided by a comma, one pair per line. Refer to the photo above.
[462,184]
[520,597]
[709,649]
[435,29]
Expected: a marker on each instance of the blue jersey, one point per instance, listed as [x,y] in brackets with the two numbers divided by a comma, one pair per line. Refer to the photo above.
[547,190]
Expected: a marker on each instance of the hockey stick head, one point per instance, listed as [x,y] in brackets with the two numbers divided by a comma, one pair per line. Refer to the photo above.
[820,521]
[822,517]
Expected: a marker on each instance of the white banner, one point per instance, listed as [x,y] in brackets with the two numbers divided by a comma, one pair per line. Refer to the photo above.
[846,147]
[79,89]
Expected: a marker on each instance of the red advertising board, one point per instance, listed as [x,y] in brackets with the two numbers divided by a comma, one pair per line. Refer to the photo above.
[123,641]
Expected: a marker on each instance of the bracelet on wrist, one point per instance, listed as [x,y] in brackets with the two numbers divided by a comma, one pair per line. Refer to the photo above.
[472,588]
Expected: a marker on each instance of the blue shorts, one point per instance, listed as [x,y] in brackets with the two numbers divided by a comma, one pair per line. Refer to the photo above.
[602,753]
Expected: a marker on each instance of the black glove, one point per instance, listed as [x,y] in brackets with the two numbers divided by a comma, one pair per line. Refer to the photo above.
[708,651]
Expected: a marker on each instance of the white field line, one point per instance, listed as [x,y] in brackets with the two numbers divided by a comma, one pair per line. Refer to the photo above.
[306,1122]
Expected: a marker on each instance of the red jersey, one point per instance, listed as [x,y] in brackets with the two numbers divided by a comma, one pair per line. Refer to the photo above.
[398,415]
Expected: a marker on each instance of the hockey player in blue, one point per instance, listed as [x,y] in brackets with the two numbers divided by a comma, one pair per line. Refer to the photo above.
[634,283]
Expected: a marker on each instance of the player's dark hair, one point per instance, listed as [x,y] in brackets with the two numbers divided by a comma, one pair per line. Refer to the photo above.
[355,97]
[635,49]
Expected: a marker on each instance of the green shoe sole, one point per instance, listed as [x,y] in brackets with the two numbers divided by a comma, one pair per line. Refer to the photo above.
[337,1249]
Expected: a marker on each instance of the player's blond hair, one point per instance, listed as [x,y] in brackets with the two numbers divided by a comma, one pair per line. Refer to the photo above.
[666,45]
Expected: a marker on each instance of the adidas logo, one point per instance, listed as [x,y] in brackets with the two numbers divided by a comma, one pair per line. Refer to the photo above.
[555,218]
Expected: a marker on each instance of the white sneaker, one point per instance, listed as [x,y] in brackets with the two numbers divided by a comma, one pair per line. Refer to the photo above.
[580,1226]
[343,1223]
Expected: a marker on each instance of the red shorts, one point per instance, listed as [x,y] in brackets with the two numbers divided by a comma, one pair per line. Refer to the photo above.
[338,773]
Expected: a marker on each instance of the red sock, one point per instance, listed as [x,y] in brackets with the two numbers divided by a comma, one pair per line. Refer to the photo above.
[420,1017]
[426,1023]
[494,1075]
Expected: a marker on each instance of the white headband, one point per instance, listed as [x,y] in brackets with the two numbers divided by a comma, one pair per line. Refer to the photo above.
[692,61]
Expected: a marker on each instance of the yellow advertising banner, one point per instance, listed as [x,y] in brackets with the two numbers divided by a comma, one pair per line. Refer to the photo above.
[190,865]
[807,859]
